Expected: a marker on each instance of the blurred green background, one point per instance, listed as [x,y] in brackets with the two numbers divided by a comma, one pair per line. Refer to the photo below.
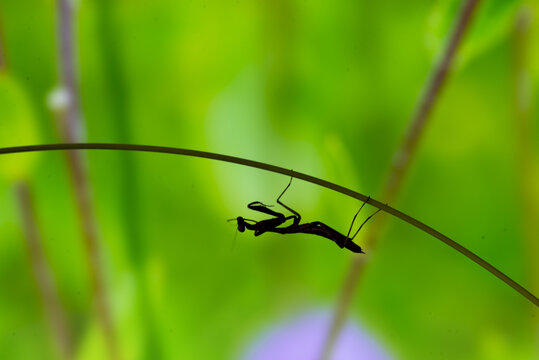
[325,88]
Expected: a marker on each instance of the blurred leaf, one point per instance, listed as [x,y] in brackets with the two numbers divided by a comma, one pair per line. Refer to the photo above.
[17,127]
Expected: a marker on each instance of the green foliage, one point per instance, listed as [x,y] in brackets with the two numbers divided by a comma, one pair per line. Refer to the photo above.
[325,88]
[493,23]
[17,126]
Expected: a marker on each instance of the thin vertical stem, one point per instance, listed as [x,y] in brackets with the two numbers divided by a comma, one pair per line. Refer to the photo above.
[429,96]
[70,127]
[43,275]
[401,164]
[45,280]
[522,114]
[71,123]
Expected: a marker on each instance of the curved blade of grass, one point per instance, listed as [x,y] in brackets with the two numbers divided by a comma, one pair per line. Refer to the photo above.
[280,170]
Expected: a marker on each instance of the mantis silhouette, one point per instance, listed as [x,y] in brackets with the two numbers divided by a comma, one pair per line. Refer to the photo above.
[315,228]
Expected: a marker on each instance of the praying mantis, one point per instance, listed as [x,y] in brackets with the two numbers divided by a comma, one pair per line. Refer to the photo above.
[274,224]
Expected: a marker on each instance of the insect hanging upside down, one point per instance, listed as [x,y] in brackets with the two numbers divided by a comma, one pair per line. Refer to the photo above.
[275,223]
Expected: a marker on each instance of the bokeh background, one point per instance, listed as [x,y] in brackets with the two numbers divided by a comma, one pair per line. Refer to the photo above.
[325,88]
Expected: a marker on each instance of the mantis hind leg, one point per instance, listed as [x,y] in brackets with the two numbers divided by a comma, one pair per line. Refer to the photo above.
[364,222]
[354,219]
[297,216]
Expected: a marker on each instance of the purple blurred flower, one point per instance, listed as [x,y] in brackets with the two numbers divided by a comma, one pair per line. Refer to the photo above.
[302,338]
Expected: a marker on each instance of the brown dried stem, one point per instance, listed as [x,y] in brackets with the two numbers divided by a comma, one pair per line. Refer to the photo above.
[401,164]
[45,280]
[525,155]
[70,128]
[43,275]
[522,97]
